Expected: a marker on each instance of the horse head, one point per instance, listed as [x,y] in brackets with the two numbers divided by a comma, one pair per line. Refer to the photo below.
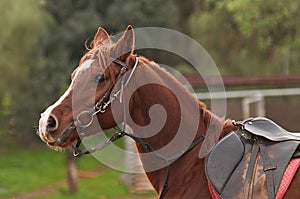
[89,93]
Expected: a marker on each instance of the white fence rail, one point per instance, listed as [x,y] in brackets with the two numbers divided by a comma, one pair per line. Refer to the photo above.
[249,93]
[255,97]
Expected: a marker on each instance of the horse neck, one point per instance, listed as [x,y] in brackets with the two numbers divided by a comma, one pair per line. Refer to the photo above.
[169,127]
[164,112]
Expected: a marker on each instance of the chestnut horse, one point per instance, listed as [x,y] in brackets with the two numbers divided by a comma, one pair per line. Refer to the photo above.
[160,111]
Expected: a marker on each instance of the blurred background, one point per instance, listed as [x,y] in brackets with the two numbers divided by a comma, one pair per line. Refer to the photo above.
[254,43]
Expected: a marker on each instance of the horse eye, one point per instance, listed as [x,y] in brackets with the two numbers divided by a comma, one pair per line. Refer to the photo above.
[98,79]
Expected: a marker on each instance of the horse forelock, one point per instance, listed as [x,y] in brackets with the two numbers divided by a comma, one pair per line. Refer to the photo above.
[102,53]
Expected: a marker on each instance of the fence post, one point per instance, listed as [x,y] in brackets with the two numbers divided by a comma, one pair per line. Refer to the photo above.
[72,173]
[257,100]
[136,180]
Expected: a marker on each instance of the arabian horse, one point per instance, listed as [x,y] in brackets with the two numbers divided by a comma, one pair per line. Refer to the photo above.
[111,86]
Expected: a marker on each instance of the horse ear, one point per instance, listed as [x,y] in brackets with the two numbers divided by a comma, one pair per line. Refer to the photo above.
[125,45]
[100,37]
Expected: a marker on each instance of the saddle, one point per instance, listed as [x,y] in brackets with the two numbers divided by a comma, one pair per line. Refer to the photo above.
[250,162]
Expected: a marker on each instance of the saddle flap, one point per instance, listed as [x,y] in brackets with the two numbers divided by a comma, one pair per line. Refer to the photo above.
[243,165]
[221,162]
[267,128]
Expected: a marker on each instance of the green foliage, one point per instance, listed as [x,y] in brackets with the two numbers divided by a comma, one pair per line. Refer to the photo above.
[270,23]
[250,37]
[142,13]
[20,57]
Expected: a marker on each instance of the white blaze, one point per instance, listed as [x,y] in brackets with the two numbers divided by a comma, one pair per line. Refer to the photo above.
[45,115]
[86,65]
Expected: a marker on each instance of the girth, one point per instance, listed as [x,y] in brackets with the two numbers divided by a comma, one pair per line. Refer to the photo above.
[246,165]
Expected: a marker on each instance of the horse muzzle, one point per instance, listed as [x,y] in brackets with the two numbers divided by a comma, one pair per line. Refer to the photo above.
[50,134]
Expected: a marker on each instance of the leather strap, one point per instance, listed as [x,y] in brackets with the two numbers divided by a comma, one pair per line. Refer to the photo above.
[268,169]
[120,63]
[149,148]
[252,165]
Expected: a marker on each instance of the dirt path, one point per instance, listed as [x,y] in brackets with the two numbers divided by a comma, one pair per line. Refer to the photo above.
[63,184]
[40,192]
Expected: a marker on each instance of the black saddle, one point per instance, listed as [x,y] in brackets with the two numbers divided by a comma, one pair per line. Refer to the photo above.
[264,127]
[250,162]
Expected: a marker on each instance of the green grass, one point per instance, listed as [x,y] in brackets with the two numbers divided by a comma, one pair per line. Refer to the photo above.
[28,169]
[32,169]
[105,186]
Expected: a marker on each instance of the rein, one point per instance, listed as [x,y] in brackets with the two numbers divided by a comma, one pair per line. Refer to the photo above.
[100,107]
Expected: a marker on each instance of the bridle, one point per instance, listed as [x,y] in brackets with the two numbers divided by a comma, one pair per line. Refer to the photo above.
[100,107]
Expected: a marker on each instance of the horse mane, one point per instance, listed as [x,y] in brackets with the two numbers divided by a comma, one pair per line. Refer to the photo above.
[102,52]
[223,126]
[162,72]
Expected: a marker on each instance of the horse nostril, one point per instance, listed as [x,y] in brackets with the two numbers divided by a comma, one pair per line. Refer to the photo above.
[52,123]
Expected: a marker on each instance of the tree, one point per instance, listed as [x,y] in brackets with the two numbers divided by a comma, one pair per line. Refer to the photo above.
[20,59]
[141,13]
[250,37]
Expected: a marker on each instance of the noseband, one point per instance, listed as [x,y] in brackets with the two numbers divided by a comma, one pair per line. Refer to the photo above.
[100,107]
